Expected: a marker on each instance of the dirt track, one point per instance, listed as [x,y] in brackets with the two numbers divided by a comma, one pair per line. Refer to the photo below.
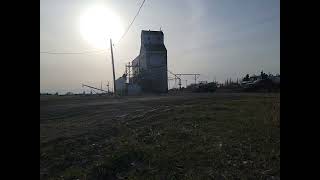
[69,116]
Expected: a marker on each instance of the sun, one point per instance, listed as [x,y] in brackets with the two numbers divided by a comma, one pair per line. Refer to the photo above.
[98,24]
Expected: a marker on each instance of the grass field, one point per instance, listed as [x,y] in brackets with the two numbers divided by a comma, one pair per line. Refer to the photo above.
[190,136]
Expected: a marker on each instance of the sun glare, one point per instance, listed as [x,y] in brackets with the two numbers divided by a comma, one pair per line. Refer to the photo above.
[98,24]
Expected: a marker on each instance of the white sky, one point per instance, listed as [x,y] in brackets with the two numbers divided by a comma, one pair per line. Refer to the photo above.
[217,38]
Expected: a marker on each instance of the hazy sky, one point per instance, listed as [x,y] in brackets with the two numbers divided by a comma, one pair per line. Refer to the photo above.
[217,38]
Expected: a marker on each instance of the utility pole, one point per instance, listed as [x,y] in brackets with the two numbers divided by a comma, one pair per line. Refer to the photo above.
[108,87]
[114,78]
[195,79]
[186,83]
[126,72]
[129,73]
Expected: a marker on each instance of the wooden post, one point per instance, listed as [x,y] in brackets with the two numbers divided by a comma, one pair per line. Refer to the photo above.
[114,78]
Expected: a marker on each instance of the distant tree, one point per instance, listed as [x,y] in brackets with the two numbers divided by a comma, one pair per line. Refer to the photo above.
[246,78]
[57,94]
[69,93]
[263,75]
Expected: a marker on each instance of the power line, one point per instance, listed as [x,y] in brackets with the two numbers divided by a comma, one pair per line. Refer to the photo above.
[83,52]
[86,52]
[131,22]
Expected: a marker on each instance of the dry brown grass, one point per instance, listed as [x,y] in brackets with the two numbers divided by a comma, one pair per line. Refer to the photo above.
[210,136]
